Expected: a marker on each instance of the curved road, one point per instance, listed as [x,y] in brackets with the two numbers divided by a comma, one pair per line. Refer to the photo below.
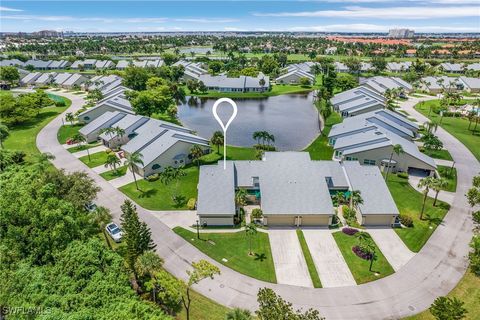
[433,272]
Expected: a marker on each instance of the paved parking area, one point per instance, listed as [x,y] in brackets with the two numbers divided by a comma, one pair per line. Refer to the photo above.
[290,265]
[331,266]
[392,247]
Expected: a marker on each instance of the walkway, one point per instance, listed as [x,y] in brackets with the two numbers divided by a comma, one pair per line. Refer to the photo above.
[331,266]
[90,151]
[446,196]
[432,272]
[127,178]
[392,247]
[290,265]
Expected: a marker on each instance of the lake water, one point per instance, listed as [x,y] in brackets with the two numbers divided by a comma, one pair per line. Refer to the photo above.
[292,119]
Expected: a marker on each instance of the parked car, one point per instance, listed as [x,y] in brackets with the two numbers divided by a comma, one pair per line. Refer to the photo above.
[114,232]
[90,207]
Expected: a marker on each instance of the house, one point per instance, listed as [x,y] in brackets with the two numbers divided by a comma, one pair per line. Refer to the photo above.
[12,62]
[382,84]
[374,147]
[410,52]
[470,84]
[222,83]
[30,78]
[192,70]
[58,64]
[291,190]
[439,84]
[294,76]
[122,64]
[129,124]
[60,78]
[357,101]
[103,82]
[154,63]
[45,78]
[104,64]
[474,66]
[85,64]
[399,66]
[383,119]
[115,100]
[366,66]
[38,64]
[331,50]
[452,67]
[341,67]
[139,64]
[76,80]
[92,130]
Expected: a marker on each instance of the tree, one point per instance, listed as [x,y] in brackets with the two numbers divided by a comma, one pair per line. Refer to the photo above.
[171,174]
[135,78]
[95,95]
[215,67]
[354,65]
[379,64]
[427,184]
[80,140]
[217,140]
[70,117]
[346,81]
[101,217]
[250,231]
[398,150]
[355,198]
[192,85]
[474,255]
[241,197]
[272,306]
[136,235]
[304,81]
[367,246]
[339,198]
[438,185]
[132,160]
[473,194]
[112,161]
[9,74]
[4,133]
[444,308]
[166,290]
[148,102]
[432,142]
[202,87]
[201,270]
[147,265]
[196,153]
[262,82]
[238,314]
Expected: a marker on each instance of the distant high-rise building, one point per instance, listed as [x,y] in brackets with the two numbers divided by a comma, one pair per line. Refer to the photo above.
[401,33]
[47,33]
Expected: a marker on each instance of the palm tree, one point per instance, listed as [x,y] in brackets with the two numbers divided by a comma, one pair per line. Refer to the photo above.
[426,183]
[355,198]
[147,265]
[398,150]
[170,174]
[217,140]
[196,153]
[4,133]
[262,82]
[339,198]
[238,314]
[257,135]
[131,161]
[70,117]
[438,185]
[101,216]
[241,197]
[250,231]
[431,126]
[80,139]
[112,162]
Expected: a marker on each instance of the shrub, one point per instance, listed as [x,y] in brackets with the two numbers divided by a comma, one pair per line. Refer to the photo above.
[257,213]
[191,204]
[153,177]
[265,147]
[108,151]
[476,216]
[403,175]
[407,221]
[60,103]
[348,213]
[349,231]
[361,254]
[178,200]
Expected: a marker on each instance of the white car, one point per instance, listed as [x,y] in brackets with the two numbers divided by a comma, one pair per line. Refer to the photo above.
[114,231]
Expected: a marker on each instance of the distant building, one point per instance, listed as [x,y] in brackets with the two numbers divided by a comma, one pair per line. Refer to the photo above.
[401,33]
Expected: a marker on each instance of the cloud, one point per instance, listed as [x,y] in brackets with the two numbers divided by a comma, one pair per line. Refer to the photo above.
[9,9]
[206,20]
[385,13]
[362,27]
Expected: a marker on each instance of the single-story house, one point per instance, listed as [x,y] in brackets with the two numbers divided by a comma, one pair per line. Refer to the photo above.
[114,100]
[75,80]
[30,78]
[129,123]
[382,84]
[38,64]
[439,84]
[474,66]
[58,64]
[11,62]
[222,83]
[104,64]
[341,67]
[357,101]
[87,64]
[399,66]
[103,82]
[192,70]
[60,78]
[92,130]
[366,66]
[294,76]
[291,190]
[45,78]
[452,67]
[470,84]
[122,64]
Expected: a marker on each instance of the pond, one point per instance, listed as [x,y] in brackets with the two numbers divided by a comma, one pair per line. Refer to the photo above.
[292,119]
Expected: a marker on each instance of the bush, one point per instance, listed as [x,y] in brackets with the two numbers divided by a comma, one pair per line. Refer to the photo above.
[265,147]
[407,221]
[60,103]
[349,231]
[108,151]
[257,213]
[153,177]
[191,204]
[403,175]
[476,216]
[361,254]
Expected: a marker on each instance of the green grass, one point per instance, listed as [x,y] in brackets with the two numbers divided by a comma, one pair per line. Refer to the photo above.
[275,91]
[468,291]
[234,247]
[95,159]
[358,266]
[23,136]
[438,154]
[113,174]
[83,147]
[157,196]
[233,153]
[203,308]
[308,258]
[457,126]
[67,131]
[409,202]
[450,175]
[319,148]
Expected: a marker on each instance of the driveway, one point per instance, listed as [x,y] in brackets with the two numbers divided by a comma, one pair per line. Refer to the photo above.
[414,179]
[392,247]
[431,273]
[125,179]
[331,266]
[93,150]
[290,265]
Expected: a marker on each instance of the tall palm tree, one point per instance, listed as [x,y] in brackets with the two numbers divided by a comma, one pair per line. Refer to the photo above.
[70,117]
[398,150]
[257,135]
[250,231]
[217,140]
[438,185]
[426,183]
[81,140]
[355,198]
[261,82]
[170,174]
[101,216]
[4,133]
[196,153]
[431,126]
[339,198]
[112,162]
[131,161]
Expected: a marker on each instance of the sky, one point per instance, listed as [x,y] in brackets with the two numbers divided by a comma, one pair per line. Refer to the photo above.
[241,15]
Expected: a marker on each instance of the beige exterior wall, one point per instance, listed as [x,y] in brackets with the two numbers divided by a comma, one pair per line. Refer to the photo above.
[94,113]
[378,220]
[316,220]
[297,220]
[216,221]
[289,79]
[280,220]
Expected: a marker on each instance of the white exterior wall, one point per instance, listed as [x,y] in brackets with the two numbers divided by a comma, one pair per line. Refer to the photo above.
[372,108]
[293,78]
[96,112]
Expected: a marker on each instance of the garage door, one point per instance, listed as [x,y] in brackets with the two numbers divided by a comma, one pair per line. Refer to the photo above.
[378,220]
[281,220]
[317,220]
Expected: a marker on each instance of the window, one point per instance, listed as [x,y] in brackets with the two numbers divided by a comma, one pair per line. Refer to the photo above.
[156,166]
[369,162]
[132,135]
[86,118]
[338,154]
[351,158]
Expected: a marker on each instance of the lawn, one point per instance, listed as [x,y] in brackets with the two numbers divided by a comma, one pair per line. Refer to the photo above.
[468,291]
[157,196]
[275,91]
[82,147]
[450,175]
[358,266]
[95,159]
[23,136]
[113,174]
[67,131]
[234,248]
[319,148]
[203,308]
[233,153]
[308,258]
[458,127]
[409,202]
[437,154]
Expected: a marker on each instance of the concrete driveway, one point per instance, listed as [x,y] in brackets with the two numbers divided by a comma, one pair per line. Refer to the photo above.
[331,266]
[290,265]
[392,247]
